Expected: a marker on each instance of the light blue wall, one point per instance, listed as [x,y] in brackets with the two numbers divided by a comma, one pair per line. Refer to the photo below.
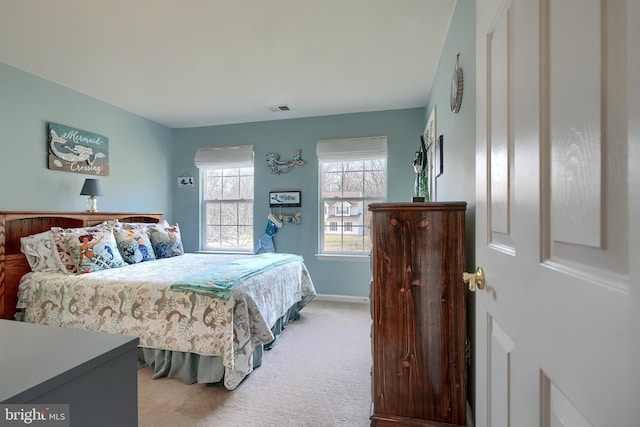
[458,182]
[459,177]
[146,158]
[139,150]
[402,128]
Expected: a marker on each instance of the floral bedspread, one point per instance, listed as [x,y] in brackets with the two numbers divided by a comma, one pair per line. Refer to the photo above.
[136,300]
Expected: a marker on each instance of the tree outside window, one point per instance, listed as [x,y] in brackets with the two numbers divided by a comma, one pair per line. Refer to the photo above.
[228,209]
[347,189]
[226,198]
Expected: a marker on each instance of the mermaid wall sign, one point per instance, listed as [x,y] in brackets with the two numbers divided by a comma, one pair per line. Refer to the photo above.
[78,151]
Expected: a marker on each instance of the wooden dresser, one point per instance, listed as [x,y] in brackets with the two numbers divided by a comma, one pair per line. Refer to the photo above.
[419,315]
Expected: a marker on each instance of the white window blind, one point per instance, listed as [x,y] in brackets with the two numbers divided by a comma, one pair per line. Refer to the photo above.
[224,157]
[352,149]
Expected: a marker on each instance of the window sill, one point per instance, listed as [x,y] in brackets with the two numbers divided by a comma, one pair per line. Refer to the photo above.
[339,257]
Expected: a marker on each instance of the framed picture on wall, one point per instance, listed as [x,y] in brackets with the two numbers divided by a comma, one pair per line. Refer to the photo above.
[185,181]
[285,199]
[430,138]
[439,156]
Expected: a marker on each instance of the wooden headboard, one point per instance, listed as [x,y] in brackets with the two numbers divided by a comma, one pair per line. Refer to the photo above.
[14,225]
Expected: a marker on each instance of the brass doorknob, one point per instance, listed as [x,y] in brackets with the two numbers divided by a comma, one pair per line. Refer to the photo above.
[474,279]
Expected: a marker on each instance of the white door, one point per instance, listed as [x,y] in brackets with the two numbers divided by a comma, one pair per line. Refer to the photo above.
[633,67]
[553,325]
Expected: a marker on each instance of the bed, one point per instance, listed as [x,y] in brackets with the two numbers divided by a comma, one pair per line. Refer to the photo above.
[199,317]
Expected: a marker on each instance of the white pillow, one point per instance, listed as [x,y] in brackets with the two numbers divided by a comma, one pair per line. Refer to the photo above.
[39,251]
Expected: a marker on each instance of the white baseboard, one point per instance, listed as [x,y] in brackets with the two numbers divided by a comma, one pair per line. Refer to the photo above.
[342,298]
[469,415]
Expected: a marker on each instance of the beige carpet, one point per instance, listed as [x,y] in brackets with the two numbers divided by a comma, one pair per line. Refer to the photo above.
[317,375]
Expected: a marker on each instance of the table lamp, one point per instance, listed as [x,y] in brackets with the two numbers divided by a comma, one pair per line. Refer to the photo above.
[92,189]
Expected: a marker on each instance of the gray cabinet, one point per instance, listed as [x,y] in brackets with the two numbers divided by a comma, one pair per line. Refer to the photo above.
[95,373]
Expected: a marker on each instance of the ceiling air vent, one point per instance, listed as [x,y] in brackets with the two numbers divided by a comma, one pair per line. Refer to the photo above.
[278,108]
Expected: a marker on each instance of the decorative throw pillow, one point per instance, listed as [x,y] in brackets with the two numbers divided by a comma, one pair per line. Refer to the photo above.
[94,251]
[39,251]
[134,244]
[166,240]
[62,254]
[145,225]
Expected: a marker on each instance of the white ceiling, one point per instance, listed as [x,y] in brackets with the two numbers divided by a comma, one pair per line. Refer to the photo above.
[186,63]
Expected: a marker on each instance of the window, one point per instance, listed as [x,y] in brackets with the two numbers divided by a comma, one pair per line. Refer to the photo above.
[352,174]
[227,198]
[342,210]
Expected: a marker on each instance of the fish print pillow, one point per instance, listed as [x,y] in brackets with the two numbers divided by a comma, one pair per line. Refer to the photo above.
[166,240]
[38,249]
[134,244]
[62,254]
[94,251]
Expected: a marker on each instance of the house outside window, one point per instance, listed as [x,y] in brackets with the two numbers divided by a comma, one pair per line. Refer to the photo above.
[226,198]
[343,209]
[352,174]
